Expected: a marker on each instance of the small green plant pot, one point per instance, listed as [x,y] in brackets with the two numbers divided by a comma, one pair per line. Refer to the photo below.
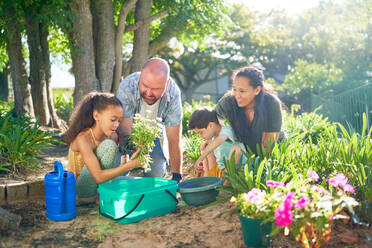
[255,233]
[199,191]
[365,211]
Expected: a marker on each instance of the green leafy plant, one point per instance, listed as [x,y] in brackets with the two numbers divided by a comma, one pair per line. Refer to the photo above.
[353,156]
[144,132]
[6,106]
[64,105]
[252,174]
[192,146]
[307,126]
[21,142]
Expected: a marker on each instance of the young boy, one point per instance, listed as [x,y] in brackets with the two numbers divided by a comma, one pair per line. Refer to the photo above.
[220,141]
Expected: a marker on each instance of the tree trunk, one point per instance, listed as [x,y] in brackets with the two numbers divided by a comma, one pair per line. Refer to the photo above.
[83,54]
[21,87]
[55,120]
[104,42]
[37,69]
[189,91]
[4,84]
[141,36]
[126,7]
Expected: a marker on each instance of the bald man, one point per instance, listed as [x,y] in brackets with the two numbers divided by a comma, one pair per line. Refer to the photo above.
[152,93]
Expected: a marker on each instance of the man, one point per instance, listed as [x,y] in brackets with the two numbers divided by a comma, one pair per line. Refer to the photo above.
[152,93]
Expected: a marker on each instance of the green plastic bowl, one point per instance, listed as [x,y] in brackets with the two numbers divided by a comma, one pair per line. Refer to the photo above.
[199,191]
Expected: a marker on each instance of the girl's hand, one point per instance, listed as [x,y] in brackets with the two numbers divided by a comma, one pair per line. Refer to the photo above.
[135,159]
[123,159]
[135,154]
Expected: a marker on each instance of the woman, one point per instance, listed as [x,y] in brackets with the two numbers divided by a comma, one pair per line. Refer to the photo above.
[252,111]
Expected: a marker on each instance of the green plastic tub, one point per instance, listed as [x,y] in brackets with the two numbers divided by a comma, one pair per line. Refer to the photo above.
[134,200]
[199,191]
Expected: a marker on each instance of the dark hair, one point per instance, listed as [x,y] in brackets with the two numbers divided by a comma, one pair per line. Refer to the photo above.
[201,117]
[82,116]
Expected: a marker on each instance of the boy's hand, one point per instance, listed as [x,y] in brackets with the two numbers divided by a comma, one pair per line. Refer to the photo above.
[198,161]
[204,145]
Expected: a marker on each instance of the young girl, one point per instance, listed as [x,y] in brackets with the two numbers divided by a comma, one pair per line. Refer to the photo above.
[92,138]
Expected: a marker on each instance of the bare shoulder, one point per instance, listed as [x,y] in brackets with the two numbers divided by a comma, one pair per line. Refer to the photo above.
[82,141]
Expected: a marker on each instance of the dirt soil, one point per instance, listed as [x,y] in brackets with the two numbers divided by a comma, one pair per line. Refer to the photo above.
[185,227]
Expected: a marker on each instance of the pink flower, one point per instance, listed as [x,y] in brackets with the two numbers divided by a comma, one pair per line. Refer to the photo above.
[277,196]
[313,176]
[274,184]
[288,201]
[283,216]
[319,189]
[338,180]
[349,188]
[255,196]
[302,203]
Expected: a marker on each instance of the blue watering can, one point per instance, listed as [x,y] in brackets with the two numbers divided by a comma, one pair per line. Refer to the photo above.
[60,195]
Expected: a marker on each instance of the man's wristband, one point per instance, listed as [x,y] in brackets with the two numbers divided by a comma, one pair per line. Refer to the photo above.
[176,177]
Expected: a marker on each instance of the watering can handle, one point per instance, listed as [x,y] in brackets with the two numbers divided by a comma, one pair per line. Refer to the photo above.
[58,167]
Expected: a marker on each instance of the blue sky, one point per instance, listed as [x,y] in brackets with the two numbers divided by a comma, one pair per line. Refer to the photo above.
[61,78]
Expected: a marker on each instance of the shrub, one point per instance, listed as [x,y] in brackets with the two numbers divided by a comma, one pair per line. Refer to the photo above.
[306,126]
[21,142]
[6,106]
[64,106]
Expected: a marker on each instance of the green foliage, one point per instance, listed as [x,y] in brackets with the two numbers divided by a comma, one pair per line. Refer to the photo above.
[6,106]
[327,149]
[193,143]
[192,20]
[63,102]
[144,132]
[21,142]
[188,109]
[307,126]
[317,77]
[252,173]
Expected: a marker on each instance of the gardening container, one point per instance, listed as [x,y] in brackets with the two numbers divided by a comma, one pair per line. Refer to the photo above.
[60,195]
[199,191]
[365,211]
[136,199]
[255,233]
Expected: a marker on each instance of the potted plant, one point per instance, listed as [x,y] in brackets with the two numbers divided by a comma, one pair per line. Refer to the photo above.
[255,212]
[305,209]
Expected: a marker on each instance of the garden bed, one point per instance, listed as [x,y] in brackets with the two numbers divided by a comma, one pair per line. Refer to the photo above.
[185,227]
